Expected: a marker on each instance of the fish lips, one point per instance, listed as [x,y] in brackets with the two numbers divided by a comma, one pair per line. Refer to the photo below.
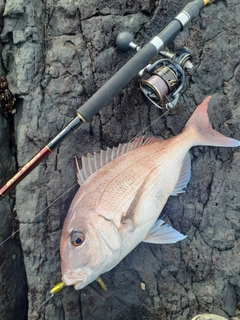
[77,278]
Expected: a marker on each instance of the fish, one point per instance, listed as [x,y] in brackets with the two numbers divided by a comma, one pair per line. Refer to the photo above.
[122,193]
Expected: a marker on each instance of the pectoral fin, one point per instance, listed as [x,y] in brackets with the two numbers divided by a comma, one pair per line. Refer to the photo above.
[184,176]
[163,233]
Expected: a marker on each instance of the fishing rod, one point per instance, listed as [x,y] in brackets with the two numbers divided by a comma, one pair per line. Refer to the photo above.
[166,76]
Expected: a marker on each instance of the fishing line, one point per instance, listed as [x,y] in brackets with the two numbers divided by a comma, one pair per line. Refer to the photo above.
[45,302]
[152,123]
[31,220]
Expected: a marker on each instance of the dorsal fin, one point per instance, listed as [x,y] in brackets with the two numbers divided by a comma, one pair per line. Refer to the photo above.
[92,163]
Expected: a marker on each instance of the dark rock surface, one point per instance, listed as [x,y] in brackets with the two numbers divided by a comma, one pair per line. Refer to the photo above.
[13,293]
[56,54]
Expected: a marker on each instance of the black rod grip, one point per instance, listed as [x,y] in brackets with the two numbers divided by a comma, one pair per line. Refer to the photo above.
[115,84]
[170,32]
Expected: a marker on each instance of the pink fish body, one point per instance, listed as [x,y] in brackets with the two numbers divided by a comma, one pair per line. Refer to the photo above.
[117,205]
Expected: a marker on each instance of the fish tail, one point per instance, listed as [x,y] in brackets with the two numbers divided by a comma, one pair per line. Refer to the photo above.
[204,134]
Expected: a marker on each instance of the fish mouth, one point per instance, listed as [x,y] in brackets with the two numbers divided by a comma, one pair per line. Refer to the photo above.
[79,279]
[75,278]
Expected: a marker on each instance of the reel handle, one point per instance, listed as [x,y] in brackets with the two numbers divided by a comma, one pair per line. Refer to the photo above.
[125,42]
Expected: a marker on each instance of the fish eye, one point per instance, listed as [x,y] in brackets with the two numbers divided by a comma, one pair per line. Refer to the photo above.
[77,238]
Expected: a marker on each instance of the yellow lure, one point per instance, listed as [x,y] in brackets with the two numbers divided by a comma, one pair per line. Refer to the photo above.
[58,287]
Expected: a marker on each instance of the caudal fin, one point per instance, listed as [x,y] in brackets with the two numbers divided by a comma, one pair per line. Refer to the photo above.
[204,133]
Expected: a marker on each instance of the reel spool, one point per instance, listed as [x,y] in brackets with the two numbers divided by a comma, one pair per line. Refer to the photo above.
[166,77]
[162,82]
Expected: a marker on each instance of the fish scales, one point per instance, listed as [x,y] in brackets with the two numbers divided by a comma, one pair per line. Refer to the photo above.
[115,191]
[118,205]
[124,183]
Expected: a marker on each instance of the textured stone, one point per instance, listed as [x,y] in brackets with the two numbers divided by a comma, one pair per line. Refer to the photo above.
[13,299]
[55,55]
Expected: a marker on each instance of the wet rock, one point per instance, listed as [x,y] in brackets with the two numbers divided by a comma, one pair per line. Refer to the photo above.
[55,56]
[13,293]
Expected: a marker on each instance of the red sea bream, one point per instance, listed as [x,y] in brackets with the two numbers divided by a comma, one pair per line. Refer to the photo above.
[119,201]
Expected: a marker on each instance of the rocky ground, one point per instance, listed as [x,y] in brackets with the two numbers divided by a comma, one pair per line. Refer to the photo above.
[55,55]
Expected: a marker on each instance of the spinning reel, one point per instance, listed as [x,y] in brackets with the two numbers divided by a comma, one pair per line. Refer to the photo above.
[165,76]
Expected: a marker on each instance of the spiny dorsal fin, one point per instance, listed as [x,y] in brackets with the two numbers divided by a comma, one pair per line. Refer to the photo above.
[92,163]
